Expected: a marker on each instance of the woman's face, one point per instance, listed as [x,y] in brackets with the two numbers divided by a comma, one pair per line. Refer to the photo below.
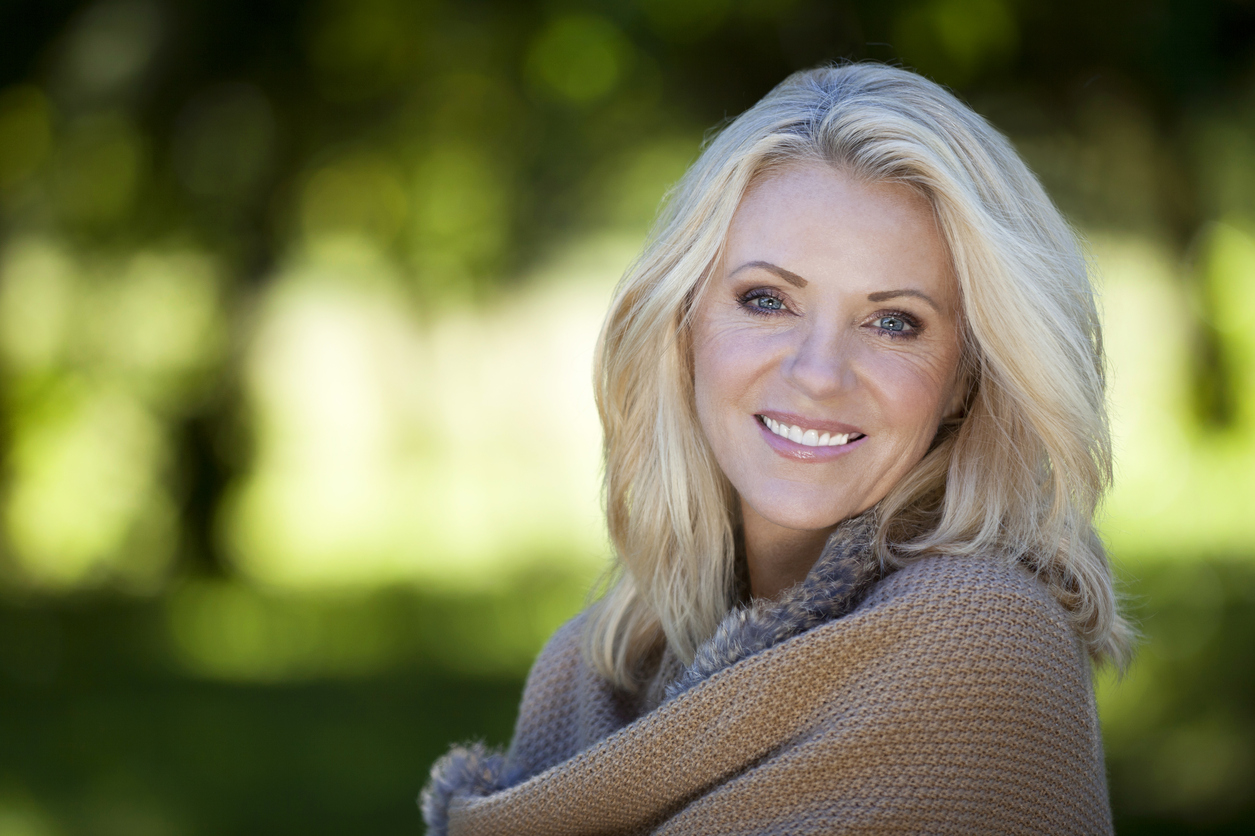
[826,345]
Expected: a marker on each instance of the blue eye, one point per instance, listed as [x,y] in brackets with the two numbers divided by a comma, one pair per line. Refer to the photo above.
[762,302]
[892,323]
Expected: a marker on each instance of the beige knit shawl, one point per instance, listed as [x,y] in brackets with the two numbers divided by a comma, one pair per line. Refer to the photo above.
[955,698]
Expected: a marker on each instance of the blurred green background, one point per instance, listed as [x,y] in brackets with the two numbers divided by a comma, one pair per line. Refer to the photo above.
[297,307]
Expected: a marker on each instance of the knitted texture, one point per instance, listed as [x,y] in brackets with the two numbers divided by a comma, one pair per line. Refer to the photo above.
[952,698]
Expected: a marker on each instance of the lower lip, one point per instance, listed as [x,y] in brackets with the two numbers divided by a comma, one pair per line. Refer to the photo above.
[800,452]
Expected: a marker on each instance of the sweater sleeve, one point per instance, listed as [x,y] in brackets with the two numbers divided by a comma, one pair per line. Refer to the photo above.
[968,708]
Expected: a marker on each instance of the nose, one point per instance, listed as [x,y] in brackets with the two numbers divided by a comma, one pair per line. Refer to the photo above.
[820,364]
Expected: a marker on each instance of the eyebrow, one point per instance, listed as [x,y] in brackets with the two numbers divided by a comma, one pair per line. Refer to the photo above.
[788,275]
[797,281]
[891,294]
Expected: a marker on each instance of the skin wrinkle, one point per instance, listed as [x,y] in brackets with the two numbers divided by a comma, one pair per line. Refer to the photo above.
[867,250]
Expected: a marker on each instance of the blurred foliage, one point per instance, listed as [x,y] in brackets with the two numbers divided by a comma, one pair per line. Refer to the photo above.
[297,305]
[1179,729]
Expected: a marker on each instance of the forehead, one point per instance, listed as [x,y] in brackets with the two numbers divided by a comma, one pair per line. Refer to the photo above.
[821,222]
[820,192]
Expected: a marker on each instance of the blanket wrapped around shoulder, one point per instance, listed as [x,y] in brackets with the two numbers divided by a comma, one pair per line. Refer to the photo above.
[951,696]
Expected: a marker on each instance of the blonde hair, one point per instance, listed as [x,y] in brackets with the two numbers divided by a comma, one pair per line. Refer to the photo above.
[1018,475]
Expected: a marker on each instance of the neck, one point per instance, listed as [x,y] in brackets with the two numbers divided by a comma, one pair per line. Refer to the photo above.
[778,557]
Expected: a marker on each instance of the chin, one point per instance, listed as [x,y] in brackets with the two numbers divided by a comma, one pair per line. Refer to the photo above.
[803,516]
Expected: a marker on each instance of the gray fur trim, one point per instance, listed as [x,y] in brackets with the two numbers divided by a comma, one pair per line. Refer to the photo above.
[470,770]
[842,575]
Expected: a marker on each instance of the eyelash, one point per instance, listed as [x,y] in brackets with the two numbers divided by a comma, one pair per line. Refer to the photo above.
[915,325]
[746,300]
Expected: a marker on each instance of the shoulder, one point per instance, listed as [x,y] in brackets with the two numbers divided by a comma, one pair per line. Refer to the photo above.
[987,603]
[559,661]
[974,661]
[975,629]
[559,696]
[955,578]
[553,680]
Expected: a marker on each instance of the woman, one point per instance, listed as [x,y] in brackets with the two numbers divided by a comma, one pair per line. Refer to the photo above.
[852,396]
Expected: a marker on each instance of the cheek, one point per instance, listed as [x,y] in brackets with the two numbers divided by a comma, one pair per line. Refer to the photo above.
[707,376]
[916,391]
[715,388]
[727,362]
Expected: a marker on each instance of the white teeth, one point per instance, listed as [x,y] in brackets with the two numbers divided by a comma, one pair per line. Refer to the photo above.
[810,438]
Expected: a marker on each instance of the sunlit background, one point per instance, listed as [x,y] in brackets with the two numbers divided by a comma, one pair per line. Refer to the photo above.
[297,309]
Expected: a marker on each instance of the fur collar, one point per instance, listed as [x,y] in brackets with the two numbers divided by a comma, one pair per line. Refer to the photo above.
[841,577]
[844,572]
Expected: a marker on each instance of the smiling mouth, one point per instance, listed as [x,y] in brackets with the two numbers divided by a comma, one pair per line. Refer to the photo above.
[808,438]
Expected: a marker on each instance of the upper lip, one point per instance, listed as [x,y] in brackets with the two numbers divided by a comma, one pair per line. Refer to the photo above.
[789,419]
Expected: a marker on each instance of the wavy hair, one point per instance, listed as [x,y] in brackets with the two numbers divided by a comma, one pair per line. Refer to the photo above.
[1017,476]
